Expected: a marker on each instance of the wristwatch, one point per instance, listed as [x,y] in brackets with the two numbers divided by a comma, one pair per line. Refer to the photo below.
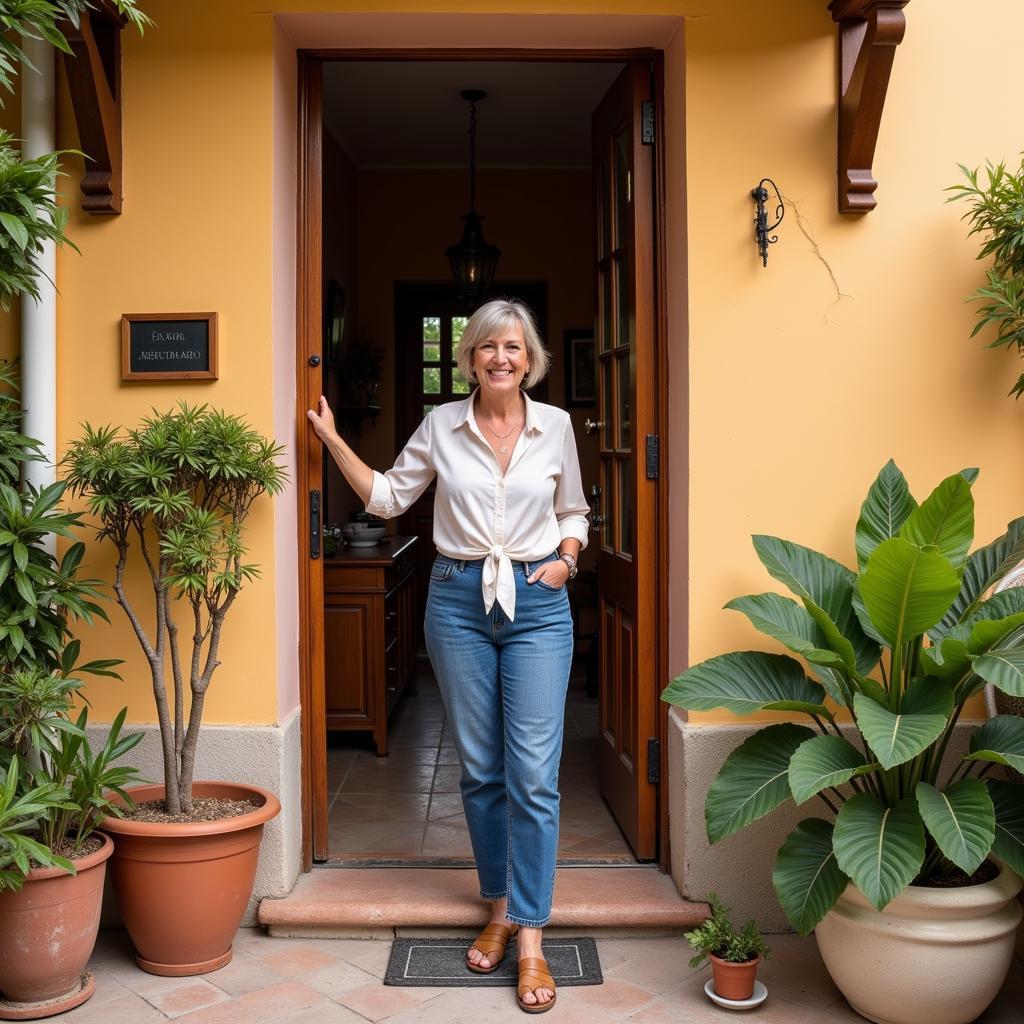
[571,562]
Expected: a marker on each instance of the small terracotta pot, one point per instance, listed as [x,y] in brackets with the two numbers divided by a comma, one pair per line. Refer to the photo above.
[47,934]
[182,888]
[734,981]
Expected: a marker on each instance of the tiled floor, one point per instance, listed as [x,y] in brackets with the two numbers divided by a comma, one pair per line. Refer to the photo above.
[407,806]
[338,981]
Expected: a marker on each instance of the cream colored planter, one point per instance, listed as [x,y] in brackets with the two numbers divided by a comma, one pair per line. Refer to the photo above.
[933,956]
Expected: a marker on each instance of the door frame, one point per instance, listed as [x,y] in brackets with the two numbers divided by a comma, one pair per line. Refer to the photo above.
[308,343]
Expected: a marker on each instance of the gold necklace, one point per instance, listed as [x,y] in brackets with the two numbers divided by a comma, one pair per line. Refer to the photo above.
[501,437]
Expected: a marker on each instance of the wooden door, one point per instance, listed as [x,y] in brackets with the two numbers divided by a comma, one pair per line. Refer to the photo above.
[627,433]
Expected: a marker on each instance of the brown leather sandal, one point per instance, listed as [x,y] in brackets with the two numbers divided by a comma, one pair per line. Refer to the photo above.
[534,974]
[491,942]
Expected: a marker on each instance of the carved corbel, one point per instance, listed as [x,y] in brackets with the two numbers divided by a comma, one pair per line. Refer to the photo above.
[94,81]
[869,32]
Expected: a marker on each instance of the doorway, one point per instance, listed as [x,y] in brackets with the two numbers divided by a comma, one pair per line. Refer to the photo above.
[617,721]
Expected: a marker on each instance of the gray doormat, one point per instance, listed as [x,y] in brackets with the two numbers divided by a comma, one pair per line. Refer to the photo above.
[443,962]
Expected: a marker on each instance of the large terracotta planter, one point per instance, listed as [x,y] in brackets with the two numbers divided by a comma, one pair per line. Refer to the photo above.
[182,889]
[933,956]
[47,934]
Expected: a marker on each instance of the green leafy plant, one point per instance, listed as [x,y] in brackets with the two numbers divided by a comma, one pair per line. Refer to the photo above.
[57,790]
[717,937]
[902,644]
[996,210]
[29,214]
[177,492]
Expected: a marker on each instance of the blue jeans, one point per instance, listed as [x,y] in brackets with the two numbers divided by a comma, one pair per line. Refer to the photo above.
[504,685]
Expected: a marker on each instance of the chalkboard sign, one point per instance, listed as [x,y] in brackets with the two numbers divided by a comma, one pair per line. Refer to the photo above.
[168,346]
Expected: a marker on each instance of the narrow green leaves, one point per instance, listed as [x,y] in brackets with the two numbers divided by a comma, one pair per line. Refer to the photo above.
[884,511]
[744,682]
[806,875]
[961,819]
[897,738]
[820,763]
[906,590]
[881,848]
[754,779]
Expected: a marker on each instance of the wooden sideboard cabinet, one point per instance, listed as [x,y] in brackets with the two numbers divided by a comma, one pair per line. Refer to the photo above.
[369,634]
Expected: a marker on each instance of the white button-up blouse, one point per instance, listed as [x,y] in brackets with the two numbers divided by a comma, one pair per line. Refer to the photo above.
[478,513]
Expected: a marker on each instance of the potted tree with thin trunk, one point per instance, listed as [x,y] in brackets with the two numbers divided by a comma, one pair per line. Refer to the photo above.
[173,496]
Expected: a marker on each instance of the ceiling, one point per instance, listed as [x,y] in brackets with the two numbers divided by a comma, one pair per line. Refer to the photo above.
[410,113]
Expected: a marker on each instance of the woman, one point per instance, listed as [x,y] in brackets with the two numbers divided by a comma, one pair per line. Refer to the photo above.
[509,523]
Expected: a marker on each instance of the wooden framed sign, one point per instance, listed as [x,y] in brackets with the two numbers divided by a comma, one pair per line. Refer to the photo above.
[168,346]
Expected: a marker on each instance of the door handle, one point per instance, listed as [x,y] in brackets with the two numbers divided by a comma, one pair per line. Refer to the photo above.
[314,524]
[592,426]
[596,522]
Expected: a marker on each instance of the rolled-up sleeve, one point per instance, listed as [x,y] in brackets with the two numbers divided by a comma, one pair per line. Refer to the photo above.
[571,506]
[394,491]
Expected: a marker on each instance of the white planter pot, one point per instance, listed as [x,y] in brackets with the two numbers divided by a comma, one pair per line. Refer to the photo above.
[933,956]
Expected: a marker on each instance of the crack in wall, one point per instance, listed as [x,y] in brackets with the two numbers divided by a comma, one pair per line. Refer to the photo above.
[805,230]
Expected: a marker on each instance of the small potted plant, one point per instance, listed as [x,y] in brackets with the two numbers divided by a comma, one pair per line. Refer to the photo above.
[174,495]
[735,954]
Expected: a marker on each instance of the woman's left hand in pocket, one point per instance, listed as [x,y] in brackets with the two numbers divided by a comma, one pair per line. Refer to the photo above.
[554,574]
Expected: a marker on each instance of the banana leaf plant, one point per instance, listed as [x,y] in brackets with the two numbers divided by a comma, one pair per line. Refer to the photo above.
[901,644]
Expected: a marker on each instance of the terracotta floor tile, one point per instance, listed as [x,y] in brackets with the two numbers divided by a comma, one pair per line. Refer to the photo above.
[127,1009]
[376,1001]
[400,755]
[323,1013]
[339,978]
[297,957]
[192,994]
[443,840]
[617,997]
[391,839]
[399,779]
[243,974]
[445,805]
[446,778]
[358,808]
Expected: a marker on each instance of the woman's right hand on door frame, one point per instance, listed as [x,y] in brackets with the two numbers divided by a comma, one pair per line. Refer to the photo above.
[323,420]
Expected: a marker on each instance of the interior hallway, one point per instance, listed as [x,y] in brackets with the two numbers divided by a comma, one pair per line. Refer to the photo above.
[407,806]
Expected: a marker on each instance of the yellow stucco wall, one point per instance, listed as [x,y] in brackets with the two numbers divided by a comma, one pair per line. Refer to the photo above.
[799,388]
[195,235]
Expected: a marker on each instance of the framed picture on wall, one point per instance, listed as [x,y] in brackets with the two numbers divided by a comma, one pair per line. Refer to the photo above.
[334,323]
[580,369]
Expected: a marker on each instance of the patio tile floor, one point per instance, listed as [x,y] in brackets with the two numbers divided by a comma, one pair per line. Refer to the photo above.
[338,981]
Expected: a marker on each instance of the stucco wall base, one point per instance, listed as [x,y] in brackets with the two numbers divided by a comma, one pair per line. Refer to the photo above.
[739,868]
[265,756]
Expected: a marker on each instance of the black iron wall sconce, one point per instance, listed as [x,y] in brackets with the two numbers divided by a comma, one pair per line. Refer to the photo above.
[762,228]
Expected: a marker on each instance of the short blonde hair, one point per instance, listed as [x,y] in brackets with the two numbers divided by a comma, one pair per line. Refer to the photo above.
[487,323]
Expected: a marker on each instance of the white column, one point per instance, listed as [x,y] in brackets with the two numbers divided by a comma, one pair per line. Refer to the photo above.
[39,319]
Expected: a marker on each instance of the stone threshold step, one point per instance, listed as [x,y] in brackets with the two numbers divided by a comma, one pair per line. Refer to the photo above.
[362,901]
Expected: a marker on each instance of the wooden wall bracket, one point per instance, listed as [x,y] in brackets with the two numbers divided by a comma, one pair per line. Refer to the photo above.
[869,32]
[94,81]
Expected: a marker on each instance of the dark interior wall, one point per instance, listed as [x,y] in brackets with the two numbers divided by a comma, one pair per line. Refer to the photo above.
[540,219]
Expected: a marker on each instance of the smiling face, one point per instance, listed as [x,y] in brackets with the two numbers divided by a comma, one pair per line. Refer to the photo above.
[500,362]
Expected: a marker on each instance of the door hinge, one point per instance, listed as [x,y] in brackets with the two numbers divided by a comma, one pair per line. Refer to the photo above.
[653,761]
[647,122]
[653,457]
[314,524]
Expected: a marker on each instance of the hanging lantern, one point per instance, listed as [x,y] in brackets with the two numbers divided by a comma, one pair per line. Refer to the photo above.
[473,261]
